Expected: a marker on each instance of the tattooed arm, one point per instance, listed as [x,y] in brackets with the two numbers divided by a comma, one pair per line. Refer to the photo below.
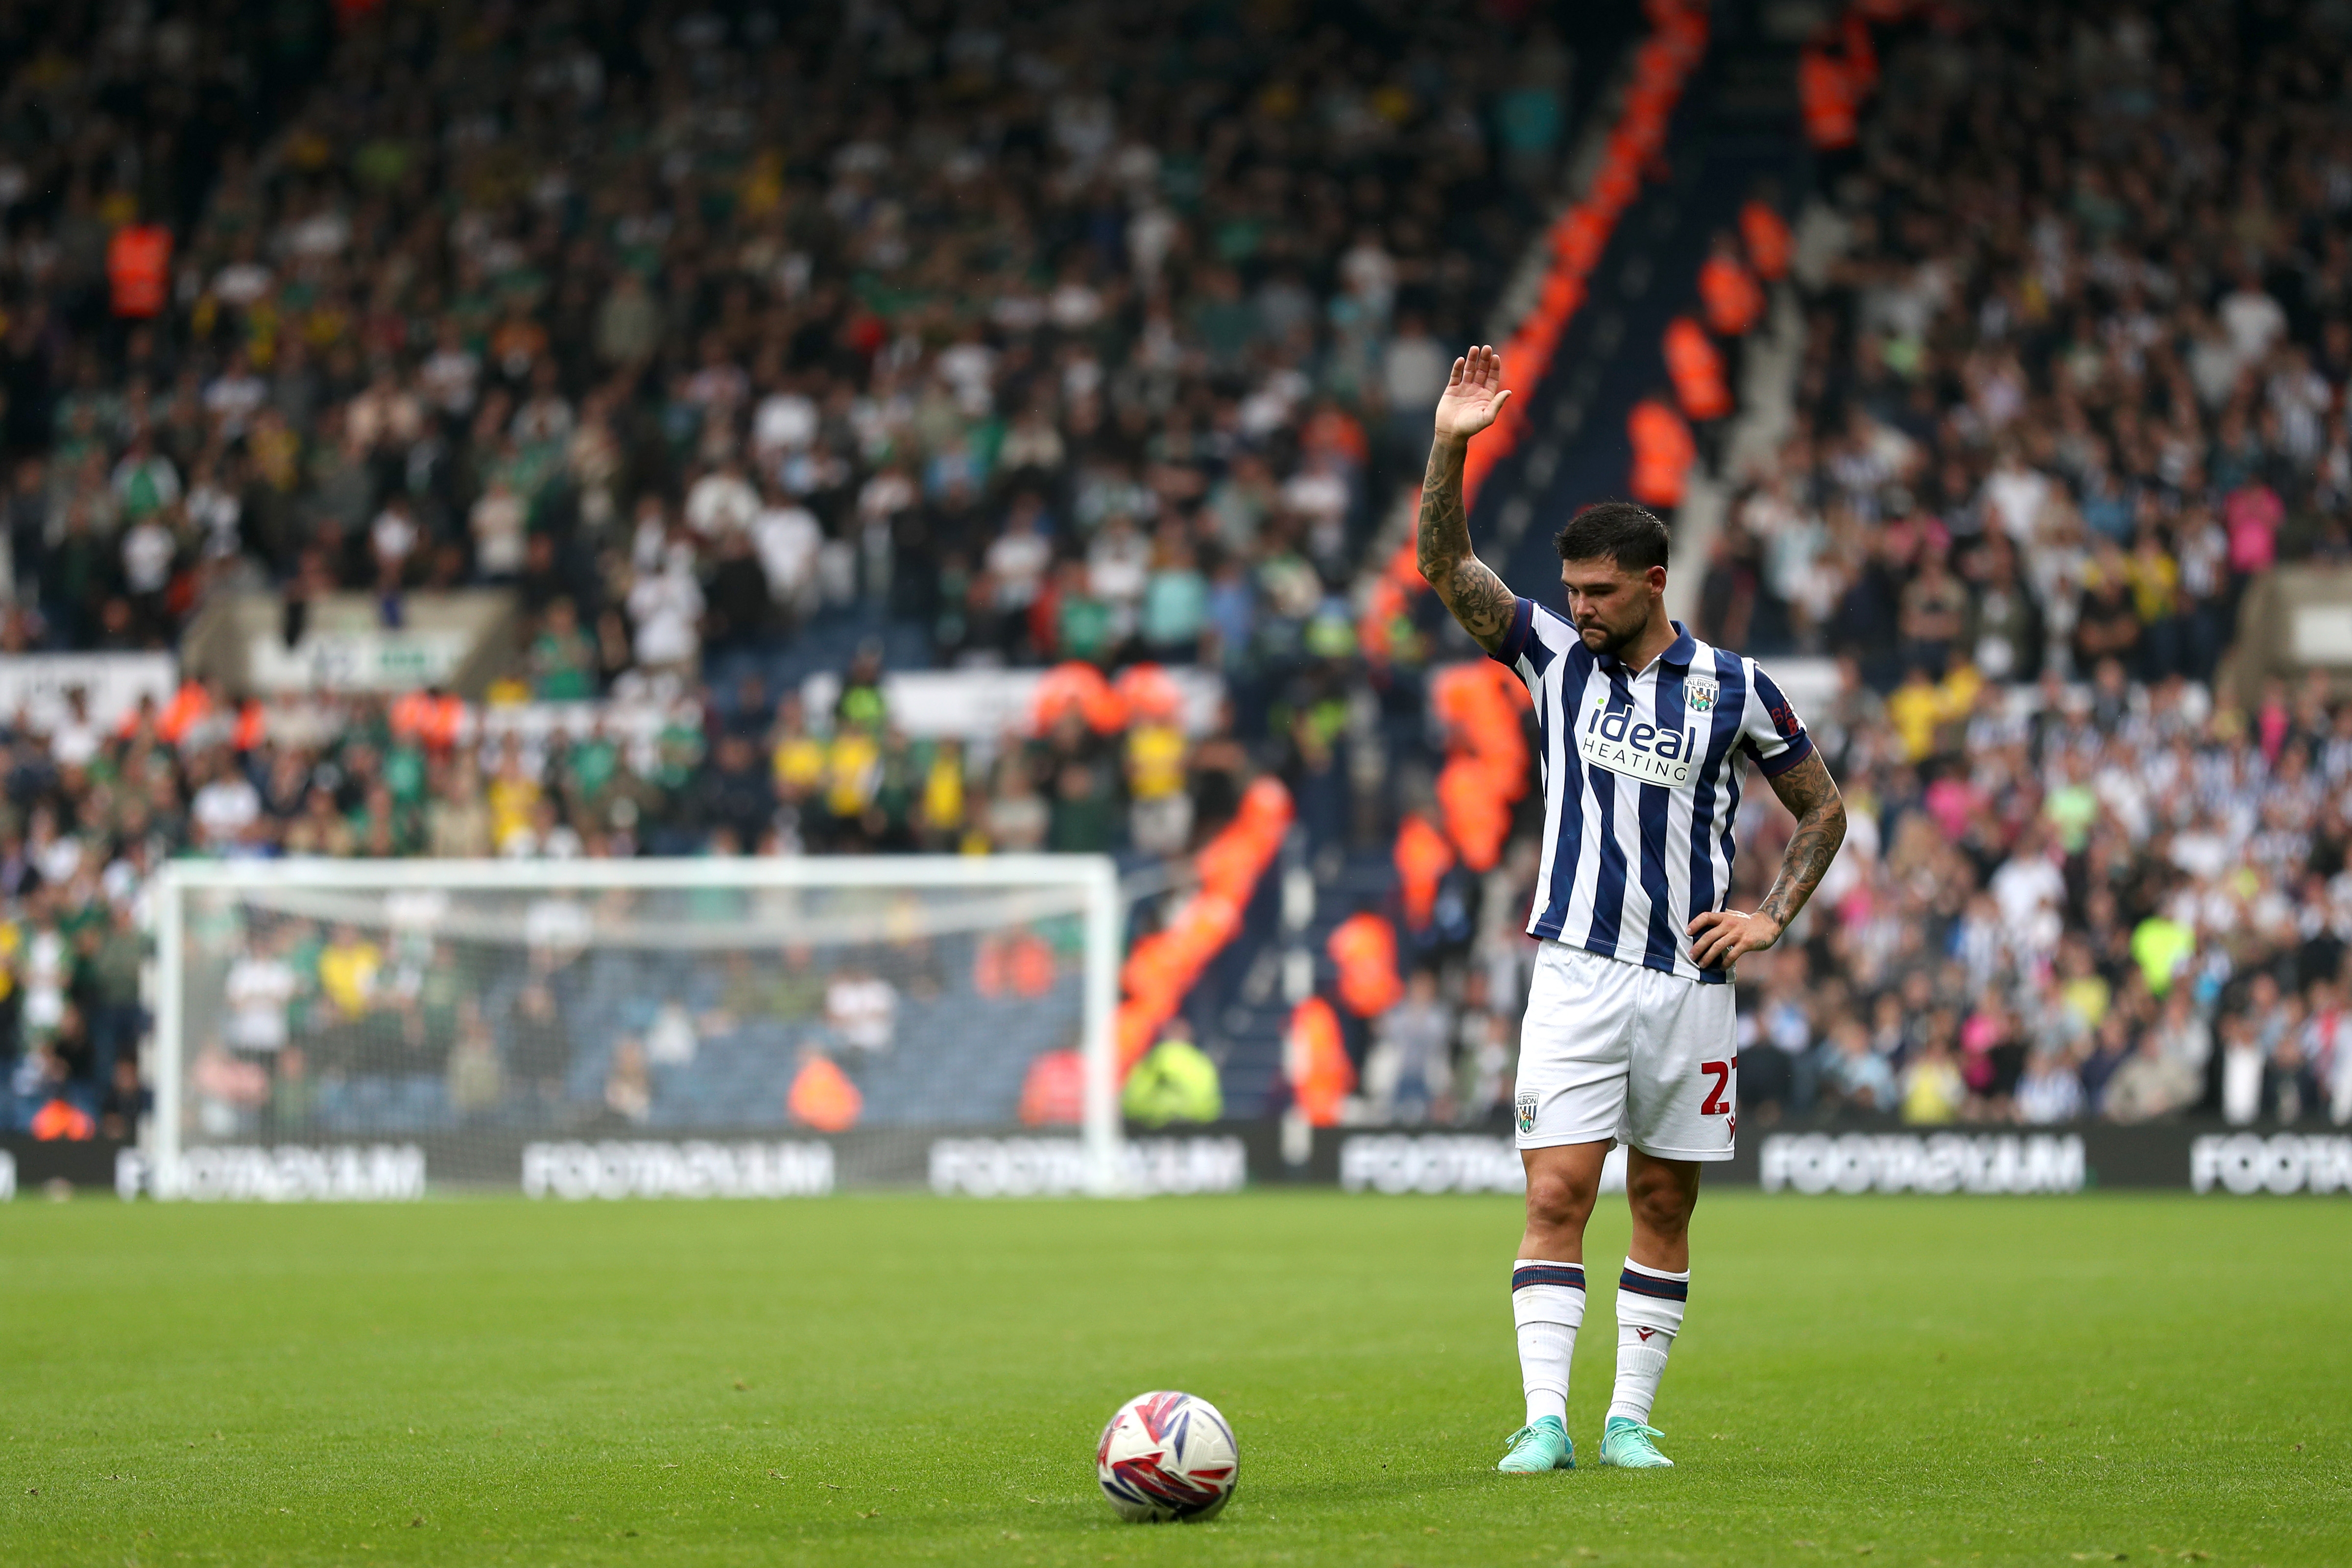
[1473,396]
[1719,936]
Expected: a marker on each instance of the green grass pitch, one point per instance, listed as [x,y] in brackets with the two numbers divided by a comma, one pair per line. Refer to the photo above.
[894,1380]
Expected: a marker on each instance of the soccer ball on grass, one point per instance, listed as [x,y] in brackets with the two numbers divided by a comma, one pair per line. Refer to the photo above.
[1167,1456]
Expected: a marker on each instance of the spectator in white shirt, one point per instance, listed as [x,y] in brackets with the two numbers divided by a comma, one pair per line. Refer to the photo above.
[786,536]
[2251,318]
[863,1009]
[499,521]
[785,421]
[2030,890]
[1119,564]
[392,536]
[1018,557]
[260,985]
[970,368]
[2301,397]
[232,397]
[148,549]
[721,501]
[667,609]
[2211,361]
[325,231]
[75,738]
[452,374]
[244,280]
[2015,496]
[217,511]
[225,807]
[649,535]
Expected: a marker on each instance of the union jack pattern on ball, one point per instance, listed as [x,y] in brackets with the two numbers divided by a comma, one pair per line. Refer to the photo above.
[1167,1456]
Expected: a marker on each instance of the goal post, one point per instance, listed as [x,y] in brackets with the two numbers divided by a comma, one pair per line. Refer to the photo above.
[605,1028]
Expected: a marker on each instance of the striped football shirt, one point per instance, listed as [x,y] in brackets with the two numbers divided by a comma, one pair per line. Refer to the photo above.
[1641,773]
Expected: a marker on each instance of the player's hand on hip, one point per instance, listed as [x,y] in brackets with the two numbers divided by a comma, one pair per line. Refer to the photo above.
[1474,395]
[1719,936]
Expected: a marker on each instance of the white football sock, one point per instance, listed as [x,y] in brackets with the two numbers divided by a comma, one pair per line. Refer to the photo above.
[1548,1305]
[1649,1314]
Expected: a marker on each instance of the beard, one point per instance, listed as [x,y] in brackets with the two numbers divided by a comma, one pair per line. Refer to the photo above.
[1612,640]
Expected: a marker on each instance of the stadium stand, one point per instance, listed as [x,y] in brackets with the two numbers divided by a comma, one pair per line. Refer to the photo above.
[2054,416]
[736,350]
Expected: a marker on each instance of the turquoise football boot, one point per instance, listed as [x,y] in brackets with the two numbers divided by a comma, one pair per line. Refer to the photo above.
[1542,1445]
[1625,1443]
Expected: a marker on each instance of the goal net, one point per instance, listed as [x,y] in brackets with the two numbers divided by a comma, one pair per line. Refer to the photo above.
[587,1029]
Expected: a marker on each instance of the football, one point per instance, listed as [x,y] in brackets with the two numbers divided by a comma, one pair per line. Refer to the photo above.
[1167,1456]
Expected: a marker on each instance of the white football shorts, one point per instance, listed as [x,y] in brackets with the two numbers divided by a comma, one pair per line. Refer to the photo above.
[1611,1049]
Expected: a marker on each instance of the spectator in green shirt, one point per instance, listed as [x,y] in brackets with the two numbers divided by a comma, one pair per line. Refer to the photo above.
[1175,601]
[562,659]
[593,763]
[1082,623]
[2071,807]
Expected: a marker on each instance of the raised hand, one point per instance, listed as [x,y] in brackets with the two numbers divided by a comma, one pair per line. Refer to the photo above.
[1474,394]
[1479,600]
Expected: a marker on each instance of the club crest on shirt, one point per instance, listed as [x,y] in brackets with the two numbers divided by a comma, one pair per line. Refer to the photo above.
[1699,693]
[1526,1107]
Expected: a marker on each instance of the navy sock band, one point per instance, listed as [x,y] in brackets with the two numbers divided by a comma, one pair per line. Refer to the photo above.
[1569,1274]
[1651,1285]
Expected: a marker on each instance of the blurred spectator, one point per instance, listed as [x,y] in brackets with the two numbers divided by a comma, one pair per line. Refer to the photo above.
[2151,1085]
[125,1101]
[1406,1073]
[628,1086]
[1933,1092]
[475,1079]
[861,1007]
[2051,1090]
[1859,1077]
[1174,1081]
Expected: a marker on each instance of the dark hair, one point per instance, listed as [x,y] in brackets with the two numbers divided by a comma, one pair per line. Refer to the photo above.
[1631,535]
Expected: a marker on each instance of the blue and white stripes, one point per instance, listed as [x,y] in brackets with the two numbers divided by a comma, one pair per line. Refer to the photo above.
[1641,771]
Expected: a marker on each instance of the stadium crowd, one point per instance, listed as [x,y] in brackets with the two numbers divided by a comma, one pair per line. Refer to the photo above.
[2075,375]
[1068,334]
[1064,333]
[1076,334]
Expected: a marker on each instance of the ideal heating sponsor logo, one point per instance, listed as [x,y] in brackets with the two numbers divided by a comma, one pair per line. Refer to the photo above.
[345,1173]
[695,1169]
[2245,1162]
[1617,739]
[1908,1163]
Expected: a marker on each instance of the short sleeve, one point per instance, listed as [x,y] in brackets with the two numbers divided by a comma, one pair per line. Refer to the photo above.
[1769,731]
[1515,641]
